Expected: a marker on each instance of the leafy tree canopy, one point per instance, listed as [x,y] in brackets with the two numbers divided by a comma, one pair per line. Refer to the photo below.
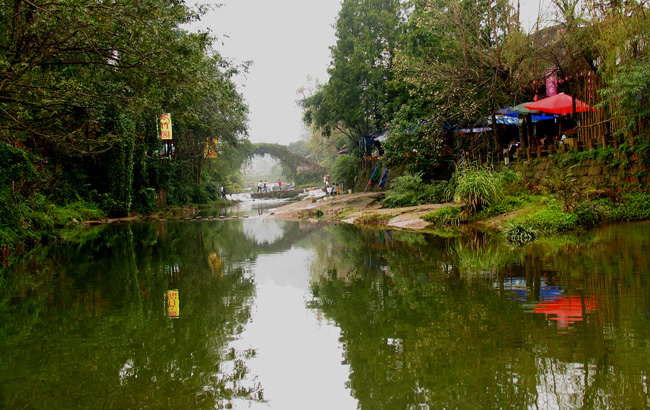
[360,95]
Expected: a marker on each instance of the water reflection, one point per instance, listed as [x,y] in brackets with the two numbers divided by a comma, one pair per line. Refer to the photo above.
[246,207]
[90,329]
[439,323]
[316,315]
[266,231]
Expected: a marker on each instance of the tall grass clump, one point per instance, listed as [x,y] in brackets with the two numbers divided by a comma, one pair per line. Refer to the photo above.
[478,186]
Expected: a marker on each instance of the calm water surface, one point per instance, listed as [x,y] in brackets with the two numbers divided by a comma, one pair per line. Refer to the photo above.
[302,315]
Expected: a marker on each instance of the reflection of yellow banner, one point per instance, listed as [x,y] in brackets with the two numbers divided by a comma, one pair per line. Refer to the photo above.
[211,148]
[215,264]
[166,127]
[173,308]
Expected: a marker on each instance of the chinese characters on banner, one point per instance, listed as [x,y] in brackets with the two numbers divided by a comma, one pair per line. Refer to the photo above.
[166,127]
[173,308]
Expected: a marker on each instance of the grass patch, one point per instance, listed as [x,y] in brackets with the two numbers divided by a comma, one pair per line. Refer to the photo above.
[345,213]
[449,215]
[547,218]
[375,219]
[34,220]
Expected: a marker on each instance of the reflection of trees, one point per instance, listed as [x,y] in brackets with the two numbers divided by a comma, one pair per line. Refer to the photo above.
[429,322]
[93,332]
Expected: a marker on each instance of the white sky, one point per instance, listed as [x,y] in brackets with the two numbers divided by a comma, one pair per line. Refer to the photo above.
[287,41]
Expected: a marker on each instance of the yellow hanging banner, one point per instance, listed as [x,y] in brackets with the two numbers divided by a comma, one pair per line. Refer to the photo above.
[166,127]
[173,308]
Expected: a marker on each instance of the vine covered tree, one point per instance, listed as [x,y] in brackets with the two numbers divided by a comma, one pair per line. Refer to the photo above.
[82,84]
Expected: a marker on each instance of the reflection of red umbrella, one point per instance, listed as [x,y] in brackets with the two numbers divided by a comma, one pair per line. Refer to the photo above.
[558,104]
[567,309]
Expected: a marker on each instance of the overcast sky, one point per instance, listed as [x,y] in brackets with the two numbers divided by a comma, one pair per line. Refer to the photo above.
[287,40]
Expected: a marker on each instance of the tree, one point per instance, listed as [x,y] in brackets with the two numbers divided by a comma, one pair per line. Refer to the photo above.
[360,95]
[83,82]
[461,58]
[620,35]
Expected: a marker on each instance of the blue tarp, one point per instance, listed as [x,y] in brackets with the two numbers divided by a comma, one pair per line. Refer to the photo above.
[505,119]
[508,112]
[543,117]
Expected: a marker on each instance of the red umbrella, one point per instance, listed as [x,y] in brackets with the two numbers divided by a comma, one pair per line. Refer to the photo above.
[558,104]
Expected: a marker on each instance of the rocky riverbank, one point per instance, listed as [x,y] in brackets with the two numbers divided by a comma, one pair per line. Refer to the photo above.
[358,208]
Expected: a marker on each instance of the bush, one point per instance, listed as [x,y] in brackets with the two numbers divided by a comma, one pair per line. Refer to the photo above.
[409,190]
[145,201]
[345,169]
[415,143]
[562,182]
[511,181]
[15,165]
[505,205]
[632,207]
[588,214]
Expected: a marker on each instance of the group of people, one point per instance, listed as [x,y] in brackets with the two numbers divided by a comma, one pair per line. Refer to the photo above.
[336,189]
[262,187]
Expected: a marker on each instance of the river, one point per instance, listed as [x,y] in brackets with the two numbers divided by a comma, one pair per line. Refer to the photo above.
[267,314]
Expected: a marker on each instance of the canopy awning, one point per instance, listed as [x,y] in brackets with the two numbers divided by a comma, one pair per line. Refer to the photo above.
[558,104]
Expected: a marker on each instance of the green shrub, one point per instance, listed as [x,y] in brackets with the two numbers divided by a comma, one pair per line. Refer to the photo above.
[145,201]
[632,207]
[15,165]
[562,182]
[409,190]
[588,214]
[505,205]
[345,169]
[477,186]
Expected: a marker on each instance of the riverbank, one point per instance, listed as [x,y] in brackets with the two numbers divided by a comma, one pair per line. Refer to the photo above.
[362,208]
[520,218]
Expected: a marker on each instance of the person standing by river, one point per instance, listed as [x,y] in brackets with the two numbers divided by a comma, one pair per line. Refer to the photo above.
[280,184]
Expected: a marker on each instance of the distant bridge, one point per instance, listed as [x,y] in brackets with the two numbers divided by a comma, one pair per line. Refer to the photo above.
[291,162]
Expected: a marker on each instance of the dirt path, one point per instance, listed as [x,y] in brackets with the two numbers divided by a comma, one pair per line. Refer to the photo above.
[350,207]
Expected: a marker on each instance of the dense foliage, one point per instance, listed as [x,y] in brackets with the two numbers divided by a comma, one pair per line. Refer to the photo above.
[344,170]
[451,64]
[82,84]
[409,189]
[360,95]
[417,145]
